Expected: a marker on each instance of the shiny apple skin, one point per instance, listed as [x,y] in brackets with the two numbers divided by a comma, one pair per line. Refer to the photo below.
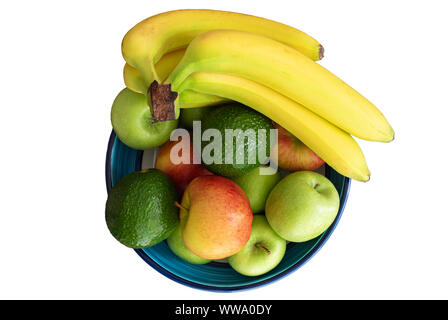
[293,154]
[181,174]
[216,218]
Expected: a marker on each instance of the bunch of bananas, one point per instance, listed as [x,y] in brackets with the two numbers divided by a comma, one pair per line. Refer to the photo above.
[206,57]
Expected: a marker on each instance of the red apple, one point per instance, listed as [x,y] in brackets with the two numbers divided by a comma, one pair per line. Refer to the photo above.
[293,154]
[181,174]
[215,217]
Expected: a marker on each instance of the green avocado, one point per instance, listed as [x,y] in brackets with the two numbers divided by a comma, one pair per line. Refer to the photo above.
[243,121]
[140,210]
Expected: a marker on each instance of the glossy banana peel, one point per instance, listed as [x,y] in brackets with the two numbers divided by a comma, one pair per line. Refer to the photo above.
[287,71]
[134,80]
[335,146]
[190,99]
[260,63]
[152,38]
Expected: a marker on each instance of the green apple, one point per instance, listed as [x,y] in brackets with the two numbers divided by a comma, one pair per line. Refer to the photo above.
[176,244]
[302,206]
[262,253]
[257,187]
[188,115]
[133,124]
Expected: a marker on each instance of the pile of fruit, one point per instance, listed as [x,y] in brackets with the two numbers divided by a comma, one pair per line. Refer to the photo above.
[229,71]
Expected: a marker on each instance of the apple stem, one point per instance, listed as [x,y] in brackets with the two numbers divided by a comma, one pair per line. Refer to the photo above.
[259,245]
[177,204]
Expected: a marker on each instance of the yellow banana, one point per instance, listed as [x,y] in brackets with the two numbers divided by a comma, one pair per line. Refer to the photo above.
[164,67]
[153,37]
[134,80]
[193,99]
[333,145]
[287,71]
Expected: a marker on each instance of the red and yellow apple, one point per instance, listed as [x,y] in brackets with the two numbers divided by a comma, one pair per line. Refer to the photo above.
[293,154]
[215,217]
[182,173]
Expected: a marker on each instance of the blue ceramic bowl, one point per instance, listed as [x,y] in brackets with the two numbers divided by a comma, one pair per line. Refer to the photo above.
[215,276]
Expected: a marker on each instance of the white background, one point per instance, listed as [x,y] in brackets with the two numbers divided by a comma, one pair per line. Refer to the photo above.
[61,69]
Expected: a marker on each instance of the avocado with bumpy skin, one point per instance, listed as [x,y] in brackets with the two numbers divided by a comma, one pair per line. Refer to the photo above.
[140,210]
[244,149]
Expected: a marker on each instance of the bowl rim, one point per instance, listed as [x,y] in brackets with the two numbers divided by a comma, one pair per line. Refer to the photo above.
[191,284]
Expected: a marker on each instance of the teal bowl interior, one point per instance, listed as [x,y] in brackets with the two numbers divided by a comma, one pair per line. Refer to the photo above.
[215,276]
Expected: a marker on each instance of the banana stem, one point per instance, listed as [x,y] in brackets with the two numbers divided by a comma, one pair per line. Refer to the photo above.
[162,101]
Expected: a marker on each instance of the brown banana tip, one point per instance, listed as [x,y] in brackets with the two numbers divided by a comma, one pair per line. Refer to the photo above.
[368,178]
[321,52]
